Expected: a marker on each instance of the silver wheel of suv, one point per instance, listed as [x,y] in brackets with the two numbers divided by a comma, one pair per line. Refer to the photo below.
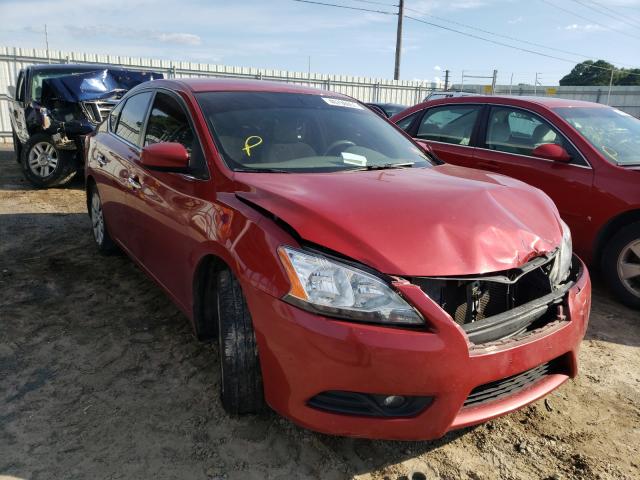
[43,159]
[97,219]
[629,267]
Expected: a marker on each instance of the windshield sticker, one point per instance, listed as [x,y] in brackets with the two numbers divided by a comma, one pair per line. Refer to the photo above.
[337,102]
[353,159]
[251,142]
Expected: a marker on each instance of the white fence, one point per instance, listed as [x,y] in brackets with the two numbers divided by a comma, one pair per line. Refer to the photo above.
[364,89]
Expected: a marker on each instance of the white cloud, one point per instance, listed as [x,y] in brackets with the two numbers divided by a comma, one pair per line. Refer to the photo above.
[588,27]
[513,21]
[438,68]
[179,38]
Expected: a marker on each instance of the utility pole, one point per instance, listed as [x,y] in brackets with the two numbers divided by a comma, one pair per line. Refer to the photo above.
[535,85]
[309,67]
[462,82]
[396,74]
[493,82]
[610,85]
[46,41]
[446,80]
[511,83]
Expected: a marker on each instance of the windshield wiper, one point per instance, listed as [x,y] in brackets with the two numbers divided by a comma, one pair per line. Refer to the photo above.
[260,170]
[383,166]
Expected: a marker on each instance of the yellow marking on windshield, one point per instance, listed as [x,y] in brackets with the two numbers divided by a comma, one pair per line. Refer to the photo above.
[248,146]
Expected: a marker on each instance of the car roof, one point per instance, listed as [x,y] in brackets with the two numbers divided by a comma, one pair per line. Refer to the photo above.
[548,102]
[198,85]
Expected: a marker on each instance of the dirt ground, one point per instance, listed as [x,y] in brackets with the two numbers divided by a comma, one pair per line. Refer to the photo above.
[101,378]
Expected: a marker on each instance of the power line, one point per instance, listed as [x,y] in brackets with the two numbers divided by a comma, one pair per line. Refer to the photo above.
[371,2]
[346,7]
[602,10]
[508,37]
[622,32]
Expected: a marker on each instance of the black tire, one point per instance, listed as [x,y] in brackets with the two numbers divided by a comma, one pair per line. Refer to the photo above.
[105,244]
[617,250]
[17,148]
[47,176]
[241,388]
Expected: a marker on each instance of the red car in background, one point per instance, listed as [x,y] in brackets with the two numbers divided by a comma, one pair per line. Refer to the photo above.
[584,155]
[353,283]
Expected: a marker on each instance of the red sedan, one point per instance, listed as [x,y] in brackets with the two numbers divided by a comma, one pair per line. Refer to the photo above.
[355,285]
[585,156]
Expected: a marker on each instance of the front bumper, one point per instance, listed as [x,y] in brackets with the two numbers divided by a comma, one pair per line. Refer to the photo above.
[303,355]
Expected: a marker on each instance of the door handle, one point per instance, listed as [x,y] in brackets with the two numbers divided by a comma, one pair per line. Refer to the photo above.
[100,158]
[134,182]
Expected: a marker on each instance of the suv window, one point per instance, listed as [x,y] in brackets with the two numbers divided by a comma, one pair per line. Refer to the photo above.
[20,87]
[512,130]
[449,124]
[113,116]
[132,117]
[168,122]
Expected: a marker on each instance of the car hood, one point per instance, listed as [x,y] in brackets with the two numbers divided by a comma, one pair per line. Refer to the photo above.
[439,221]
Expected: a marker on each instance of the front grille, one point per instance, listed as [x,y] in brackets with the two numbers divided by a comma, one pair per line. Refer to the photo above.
[98,110]
[499,305]
[490,392]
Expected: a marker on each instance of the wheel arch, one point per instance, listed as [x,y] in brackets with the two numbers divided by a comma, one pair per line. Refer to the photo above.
[607,232]
[204,315]
[89,183]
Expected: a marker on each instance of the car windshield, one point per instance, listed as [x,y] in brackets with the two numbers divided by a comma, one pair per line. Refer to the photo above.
[614,133]
[291,132]
[39,76]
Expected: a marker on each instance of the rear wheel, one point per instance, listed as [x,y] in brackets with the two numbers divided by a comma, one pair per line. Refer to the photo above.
[240,376]
[44,165]
[621,265]
[98,226]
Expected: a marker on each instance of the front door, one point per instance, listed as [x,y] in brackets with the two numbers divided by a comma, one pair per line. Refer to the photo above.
[164,204]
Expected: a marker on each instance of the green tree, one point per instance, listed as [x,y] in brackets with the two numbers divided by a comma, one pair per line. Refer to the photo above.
[589,73]
[628,77]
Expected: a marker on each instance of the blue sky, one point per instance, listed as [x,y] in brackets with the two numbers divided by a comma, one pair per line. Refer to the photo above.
[282,34]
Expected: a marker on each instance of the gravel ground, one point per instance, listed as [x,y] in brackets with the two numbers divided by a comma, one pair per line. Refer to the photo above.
[101,378]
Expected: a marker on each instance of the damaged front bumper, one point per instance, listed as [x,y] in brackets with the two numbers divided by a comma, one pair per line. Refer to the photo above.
[329,375]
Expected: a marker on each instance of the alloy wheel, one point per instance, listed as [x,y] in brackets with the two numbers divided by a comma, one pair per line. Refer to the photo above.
[43,159]
[97,219]
[629,267]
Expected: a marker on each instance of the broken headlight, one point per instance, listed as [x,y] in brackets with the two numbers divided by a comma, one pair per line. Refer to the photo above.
[562,264]
[325,286]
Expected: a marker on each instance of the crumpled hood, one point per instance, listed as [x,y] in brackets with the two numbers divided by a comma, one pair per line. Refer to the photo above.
[97,85]
[439,221]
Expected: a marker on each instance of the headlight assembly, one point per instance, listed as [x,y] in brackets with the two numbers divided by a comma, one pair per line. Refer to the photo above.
[562,265]
[325,286]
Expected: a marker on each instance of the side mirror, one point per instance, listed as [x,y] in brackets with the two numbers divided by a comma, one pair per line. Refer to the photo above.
[168,156]
[12,91]
[552,151]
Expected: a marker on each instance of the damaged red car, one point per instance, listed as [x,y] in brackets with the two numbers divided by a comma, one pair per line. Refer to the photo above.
[355,285]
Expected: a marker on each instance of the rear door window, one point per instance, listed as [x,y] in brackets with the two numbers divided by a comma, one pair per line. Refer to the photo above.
[132,118]
[449,124]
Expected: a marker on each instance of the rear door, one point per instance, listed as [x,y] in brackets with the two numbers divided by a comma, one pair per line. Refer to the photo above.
[506,142]
[113,155]
[449,130]
[165,204]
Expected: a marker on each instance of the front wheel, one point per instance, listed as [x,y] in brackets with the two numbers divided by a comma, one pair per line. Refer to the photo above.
[240,375]
[44,165]
[621,265]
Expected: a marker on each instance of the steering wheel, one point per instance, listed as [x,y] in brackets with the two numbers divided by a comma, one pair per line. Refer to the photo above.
[344,144]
